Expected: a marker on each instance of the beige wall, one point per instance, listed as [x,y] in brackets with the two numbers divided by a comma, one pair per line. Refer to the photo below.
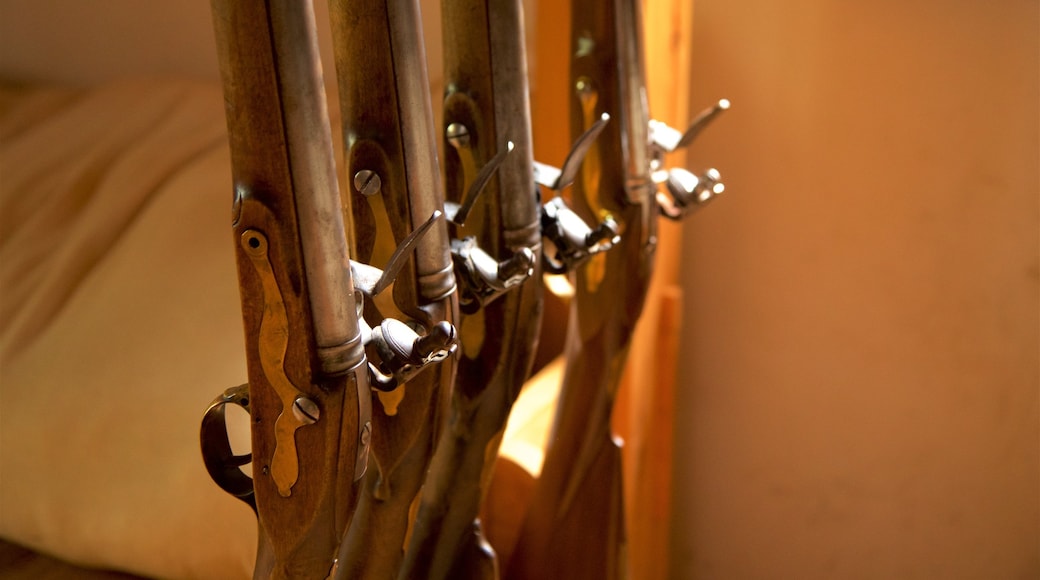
[859,382]
[86,41]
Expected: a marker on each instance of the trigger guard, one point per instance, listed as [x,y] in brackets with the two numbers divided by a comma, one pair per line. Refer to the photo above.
[221,462]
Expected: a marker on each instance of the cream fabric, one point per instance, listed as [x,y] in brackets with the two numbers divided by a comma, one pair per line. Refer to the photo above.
[119,322]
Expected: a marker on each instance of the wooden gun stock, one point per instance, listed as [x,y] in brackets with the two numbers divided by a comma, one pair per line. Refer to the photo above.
[487,125]
[308,379]
[391,160]
[575,527]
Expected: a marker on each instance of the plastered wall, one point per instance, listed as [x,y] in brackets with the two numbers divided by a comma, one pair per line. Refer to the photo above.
[858,383]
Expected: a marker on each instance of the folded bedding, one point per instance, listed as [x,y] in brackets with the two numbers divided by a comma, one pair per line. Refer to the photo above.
[119,322]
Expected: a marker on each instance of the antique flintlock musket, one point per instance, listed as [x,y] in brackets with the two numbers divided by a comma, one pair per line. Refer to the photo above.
[308,390]
[302,295]
[575,526]
[494,214]
[497,243]
[391,164]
